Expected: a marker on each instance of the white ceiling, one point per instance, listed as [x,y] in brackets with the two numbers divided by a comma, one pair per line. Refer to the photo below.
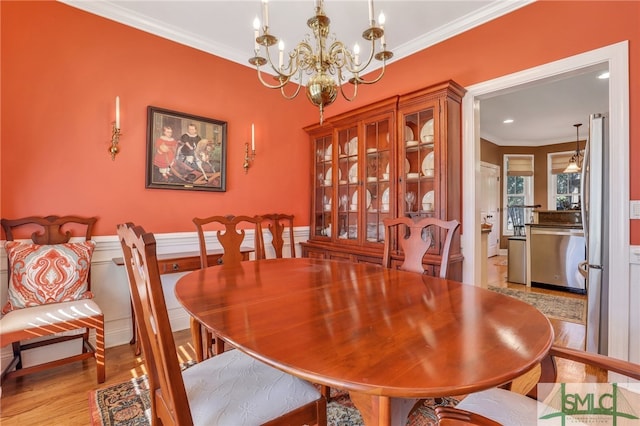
[543,114]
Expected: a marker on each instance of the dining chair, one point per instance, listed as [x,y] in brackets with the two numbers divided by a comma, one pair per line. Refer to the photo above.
[49,293]
[231,237]
[498,406]
[415,236]
[276,224]
[229,389]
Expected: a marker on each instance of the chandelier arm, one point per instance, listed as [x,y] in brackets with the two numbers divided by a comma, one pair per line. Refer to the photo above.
[338,55]
[283,81]
[361,81]
[281,86]
[301,52]
[276,69]
[364,66]
[355,92]
[289,97]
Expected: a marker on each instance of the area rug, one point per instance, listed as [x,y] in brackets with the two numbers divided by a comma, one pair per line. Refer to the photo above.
[127,404]
[557,307]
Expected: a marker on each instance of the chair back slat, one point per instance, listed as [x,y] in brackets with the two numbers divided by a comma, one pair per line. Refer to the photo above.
[415,237]
[276,223]
[231,238]
[168,396]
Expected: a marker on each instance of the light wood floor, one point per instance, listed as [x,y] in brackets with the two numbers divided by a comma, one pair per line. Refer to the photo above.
[60,396]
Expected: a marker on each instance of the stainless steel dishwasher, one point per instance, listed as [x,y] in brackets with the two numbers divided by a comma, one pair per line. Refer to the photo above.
[556,252]
[517,260]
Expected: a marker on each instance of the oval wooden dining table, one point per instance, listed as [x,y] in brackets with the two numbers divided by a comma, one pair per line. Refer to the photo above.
[383,335]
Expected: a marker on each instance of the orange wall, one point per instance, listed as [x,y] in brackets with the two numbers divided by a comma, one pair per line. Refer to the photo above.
[61,71]
[62,68]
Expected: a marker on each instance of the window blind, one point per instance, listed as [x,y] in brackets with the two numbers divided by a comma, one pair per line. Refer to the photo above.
[520,166]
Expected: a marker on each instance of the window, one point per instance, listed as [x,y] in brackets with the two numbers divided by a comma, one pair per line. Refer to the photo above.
[564,188]
[518,191]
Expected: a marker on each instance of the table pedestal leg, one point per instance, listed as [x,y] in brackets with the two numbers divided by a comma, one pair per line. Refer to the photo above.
[382,410]
[375,409]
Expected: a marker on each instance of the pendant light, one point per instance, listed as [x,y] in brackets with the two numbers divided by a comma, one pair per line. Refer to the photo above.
[576,159]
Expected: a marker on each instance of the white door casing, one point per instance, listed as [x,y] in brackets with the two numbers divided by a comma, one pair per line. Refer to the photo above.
[617,58]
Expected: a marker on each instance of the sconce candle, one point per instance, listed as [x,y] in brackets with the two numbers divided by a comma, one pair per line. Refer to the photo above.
[250,156]
[115,132]
[117,112]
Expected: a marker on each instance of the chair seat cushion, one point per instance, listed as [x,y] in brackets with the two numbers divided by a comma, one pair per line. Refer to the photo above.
[503,406]
[508,408]
[235,389]
[41,274]
[45,315]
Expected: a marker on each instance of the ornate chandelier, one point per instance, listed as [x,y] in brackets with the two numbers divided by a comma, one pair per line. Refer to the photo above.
[328,65]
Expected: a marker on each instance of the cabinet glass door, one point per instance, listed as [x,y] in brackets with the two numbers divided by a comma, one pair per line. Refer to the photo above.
[323,197]
[349,183]
[378,140]
[420,166]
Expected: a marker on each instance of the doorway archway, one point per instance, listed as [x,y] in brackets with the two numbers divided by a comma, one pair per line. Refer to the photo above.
[616,56]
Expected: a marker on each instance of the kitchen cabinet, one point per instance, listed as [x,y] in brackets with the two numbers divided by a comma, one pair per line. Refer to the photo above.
[399,156]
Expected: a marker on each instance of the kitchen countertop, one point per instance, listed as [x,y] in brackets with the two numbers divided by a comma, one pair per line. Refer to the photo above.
[556,225]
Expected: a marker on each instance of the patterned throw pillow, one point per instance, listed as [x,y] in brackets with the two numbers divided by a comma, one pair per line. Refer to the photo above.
[42,274]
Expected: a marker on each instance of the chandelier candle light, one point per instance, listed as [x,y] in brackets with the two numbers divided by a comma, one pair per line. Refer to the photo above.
[327,65]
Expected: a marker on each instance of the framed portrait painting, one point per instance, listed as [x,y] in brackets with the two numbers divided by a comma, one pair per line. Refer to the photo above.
[185,151]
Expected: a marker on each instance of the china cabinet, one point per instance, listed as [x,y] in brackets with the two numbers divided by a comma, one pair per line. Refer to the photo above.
[400,156]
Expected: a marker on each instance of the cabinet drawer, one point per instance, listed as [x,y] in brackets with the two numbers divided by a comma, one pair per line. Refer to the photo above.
[179,265]
[313,254]
[339,256]
[370,260]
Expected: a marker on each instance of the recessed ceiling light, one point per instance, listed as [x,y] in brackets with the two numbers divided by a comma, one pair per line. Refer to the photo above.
[604,75]
[508,121]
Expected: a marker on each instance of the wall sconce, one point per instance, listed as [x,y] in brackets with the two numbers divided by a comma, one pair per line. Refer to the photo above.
[250,157]
[115,132]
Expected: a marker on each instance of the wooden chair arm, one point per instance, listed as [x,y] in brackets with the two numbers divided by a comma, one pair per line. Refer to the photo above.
[451,416]
[596,360]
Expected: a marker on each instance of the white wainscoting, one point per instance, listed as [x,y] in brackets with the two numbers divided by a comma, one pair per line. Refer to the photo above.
[111,290]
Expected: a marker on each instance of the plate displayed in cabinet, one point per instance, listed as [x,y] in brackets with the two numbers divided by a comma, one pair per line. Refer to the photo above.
[408,134]
[328,153]
[410,144]
[354,199]
[328,175]
[385,201]
[427,201]
[427,165]
[426,133]
[351,147]
[353,173]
